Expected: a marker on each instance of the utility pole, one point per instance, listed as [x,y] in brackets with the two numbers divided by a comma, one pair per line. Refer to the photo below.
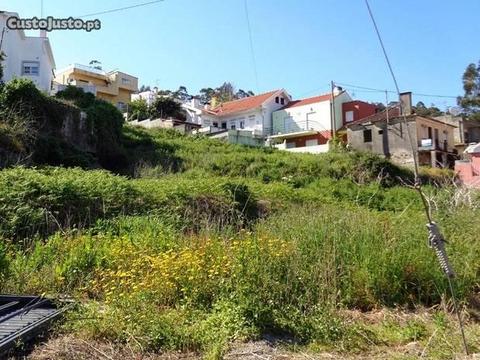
[1,39]
[332,112]
[386,107]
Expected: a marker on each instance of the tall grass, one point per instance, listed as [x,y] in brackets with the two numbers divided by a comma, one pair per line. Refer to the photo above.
[289,275]
[221,243]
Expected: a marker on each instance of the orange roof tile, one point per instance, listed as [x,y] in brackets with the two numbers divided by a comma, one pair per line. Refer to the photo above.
[244,104]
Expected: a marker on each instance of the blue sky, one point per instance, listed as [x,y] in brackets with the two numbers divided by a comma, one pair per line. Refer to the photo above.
[300,45]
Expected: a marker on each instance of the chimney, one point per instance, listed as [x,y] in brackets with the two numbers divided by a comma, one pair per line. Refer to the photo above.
[43,33]
[406,103]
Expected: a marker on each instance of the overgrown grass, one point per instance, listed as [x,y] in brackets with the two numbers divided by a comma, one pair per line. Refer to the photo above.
[147,281]
[217,243]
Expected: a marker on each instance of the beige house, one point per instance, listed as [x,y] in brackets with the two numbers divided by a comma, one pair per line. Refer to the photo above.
[386,133]
[114,86]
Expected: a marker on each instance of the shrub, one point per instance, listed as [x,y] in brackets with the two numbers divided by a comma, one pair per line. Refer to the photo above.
[38,202]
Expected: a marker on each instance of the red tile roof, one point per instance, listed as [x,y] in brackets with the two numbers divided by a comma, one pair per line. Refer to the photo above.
[244,104]
[382,115]
[308,101]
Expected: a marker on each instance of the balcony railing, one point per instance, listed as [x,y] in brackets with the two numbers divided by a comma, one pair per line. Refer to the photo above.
[299,125]
[86,88]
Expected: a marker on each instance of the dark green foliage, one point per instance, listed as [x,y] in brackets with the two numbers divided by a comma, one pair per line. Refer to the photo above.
[50,150]
[138,110]
[432,111]
[166,107]
[42,201]
[21,94]
[80,98]
[107,124]
[244,200]
[145,152]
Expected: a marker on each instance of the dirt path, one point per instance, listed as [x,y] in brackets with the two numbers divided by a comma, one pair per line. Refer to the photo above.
[71,348]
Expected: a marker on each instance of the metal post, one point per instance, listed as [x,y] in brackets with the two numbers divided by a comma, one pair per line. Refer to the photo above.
[332,113]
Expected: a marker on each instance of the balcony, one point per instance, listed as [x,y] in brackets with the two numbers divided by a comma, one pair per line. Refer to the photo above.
[86,88]
[431,144]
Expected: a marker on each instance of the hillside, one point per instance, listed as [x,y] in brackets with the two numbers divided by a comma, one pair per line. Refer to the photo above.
[207,244]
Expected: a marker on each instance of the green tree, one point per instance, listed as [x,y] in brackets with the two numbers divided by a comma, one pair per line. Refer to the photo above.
[241,94]
[138,110]
[432,111]
[206,95]
[470,101]
[144,88]
[225,92]
[181,94]
[166,107]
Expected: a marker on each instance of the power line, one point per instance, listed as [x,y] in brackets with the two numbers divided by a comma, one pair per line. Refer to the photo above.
[394,92]
[252,49]
[119,9]
[436,239]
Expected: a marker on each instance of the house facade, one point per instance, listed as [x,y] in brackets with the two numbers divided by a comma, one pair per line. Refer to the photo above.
[466,131]
[307,125]
[386,133]
[252,114]
[148,96]
[115,86]
[28,57]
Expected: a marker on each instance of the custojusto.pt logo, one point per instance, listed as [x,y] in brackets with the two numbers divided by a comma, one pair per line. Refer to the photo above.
[50,23]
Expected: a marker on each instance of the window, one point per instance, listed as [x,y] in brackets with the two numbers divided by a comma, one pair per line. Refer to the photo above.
[349,116]
[380,132]
[206,122]
[277,99]
[233,126]
[31,68]
[291,145]
[224,125]
[214,124]
[242,124]
[126,81]
[282,101]
[367,136]
[312,142]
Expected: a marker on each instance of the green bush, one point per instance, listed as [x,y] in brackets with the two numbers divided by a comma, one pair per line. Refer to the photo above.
[38,202]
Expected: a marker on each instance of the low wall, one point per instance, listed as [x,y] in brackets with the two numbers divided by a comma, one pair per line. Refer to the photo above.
[468,172]
[316,149]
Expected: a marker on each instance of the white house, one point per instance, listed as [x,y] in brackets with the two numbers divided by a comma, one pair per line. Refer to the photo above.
[193,109]
[26,56]
[307,125]
[252,113]
[149,96]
